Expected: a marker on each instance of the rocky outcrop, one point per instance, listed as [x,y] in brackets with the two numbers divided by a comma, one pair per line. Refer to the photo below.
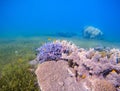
[57,76]
[91,32]
[78,69]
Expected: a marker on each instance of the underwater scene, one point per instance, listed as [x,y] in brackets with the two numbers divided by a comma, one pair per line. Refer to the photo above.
[59,45]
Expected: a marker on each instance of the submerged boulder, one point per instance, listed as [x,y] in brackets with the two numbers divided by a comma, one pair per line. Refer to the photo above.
[57,76]
[91,32]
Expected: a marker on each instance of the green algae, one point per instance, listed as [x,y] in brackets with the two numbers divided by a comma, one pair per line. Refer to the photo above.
[15,74]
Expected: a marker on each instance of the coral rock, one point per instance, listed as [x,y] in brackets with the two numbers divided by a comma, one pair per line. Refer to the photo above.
[54,76]
[92,33]
[103,85]
[74,71]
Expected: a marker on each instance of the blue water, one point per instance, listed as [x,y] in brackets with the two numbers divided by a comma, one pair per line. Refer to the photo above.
[35,17]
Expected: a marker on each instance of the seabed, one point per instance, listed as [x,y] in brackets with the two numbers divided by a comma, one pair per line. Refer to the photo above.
[15,53]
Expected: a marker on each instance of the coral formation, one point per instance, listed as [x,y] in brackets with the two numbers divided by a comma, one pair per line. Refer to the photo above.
[92,33]
[100,63]
[103,85]
[49,51]
[54,50]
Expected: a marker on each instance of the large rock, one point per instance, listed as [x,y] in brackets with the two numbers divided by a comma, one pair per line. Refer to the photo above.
[91,32]
[57,76]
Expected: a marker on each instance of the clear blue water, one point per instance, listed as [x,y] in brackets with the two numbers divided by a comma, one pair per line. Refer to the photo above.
[37,17]
[27,24]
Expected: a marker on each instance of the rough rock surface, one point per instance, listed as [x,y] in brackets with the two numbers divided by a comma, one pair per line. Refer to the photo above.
[96,69]
[58,76]
[92,33]
[102,85]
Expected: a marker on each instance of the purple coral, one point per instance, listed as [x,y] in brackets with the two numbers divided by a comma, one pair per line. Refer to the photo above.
[49,51]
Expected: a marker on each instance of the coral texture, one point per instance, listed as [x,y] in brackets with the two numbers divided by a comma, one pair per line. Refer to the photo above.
[103,85]
[49,51]
[54,50]
[98,63]
[92,33]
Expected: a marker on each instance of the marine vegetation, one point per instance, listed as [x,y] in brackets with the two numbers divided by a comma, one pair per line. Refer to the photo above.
[17,76]
[15,72]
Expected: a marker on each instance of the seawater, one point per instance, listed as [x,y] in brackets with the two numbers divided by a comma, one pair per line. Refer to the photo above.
[43,20]
[39,17]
